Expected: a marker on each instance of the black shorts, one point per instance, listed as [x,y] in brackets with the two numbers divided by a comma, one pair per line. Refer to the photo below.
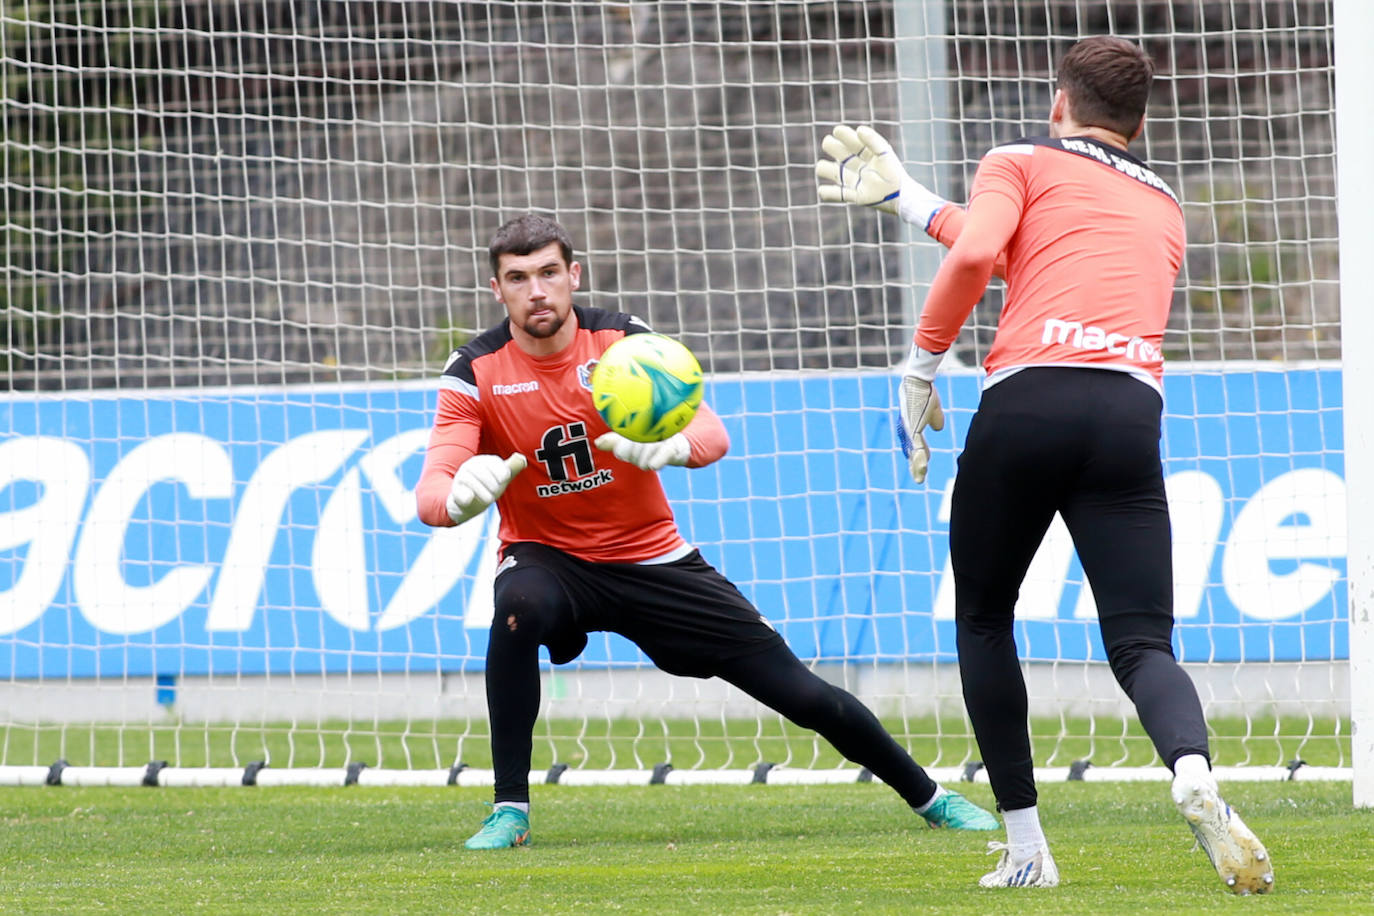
[684,615]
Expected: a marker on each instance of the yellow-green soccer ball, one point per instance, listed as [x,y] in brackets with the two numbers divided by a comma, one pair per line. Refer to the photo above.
[646,387]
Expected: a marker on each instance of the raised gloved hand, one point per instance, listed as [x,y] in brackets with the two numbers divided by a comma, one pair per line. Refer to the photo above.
[479,482]
[920,408]
[648,456]
[863,169]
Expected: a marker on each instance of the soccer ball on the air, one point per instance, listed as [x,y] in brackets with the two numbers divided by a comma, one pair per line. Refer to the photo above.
[646,387]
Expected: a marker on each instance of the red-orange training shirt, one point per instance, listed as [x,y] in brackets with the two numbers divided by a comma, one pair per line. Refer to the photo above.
[497,399]
[1090,267]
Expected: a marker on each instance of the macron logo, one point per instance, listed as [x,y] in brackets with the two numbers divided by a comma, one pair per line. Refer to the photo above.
[515,388]
[1090,337]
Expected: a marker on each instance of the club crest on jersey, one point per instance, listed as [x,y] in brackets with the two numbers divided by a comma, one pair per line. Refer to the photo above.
[584,374]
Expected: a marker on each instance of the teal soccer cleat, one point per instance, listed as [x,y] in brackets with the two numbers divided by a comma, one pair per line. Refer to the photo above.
[954,811]
[503,828]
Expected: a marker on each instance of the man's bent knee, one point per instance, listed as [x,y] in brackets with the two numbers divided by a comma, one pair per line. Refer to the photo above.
[534,607]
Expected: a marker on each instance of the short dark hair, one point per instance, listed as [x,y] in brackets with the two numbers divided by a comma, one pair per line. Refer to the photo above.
[1107,81]
[525,234]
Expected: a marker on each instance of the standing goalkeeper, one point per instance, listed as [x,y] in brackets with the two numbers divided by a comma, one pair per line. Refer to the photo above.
[588,542]
[1090,241]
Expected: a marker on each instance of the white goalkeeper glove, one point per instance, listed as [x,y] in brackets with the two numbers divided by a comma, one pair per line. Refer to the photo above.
[647,456]
[479,482]
[920,408]
[862,168]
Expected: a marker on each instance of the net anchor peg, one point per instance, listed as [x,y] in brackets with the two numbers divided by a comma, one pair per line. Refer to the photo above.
[54,777]
[250,772]
[150,774]
[355,770]
[453,772]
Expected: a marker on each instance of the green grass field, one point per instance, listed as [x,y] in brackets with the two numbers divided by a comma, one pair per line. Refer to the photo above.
[655,849]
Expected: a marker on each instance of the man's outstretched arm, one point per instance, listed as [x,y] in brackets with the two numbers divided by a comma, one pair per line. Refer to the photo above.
[860,167]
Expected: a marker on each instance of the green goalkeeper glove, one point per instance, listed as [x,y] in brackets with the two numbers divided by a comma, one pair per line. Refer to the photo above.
[647,456]
[862,168]
[479,482]
[920,408]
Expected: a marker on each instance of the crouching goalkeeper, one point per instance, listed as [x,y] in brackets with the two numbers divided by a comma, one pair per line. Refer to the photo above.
[588,542]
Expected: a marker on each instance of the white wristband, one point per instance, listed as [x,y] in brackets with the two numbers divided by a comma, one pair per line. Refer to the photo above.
[922,364]
[917,204]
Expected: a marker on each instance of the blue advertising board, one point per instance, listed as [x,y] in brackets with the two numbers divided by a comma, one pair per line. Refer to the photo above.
[274,530]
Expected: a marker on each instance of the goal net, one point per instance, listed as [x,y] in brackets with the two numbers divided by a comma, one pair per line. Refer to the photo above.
[241,237]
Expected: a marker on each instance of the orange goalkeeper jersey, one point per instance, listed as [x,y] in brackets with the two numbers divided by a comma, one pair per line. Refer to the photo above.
[496,399]
[1090,267]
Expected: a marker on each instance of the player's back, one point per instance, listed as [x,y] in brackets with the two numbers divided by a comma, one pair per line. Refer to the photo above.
[1092,264]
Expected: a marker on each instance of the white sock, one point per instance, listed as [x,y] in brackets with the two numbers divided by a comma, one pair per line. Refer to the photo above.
[1194,768]
[1190,772]
[1024,835]
[519,806]
[940,792]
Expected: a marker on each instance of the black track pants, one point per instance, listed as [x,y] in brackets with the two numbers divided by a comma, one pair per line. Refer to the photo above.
[1083,443]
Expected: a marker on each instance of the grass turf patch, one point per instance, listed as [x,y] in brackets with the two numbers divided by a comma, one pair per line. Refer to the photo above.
[659,849]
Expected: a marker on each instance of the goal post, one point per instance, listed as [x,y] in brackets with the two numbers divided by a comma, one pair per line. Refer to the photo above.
[242,238]
[1354,30]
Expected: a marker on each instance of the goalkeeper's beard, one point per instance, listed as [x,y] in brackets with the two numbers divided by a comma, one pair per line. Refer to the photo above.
[544,330]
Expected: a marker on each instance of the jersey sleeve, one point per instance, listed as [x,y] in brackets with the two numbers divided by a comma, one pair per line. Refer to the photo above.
[455,438]
[1004,171]
[945,227]
[707,436]
[946,224]
[998,196]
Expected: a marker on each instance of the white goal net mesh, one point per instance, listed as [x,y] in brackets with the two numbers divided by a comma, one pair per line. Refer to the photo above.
[241,237]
